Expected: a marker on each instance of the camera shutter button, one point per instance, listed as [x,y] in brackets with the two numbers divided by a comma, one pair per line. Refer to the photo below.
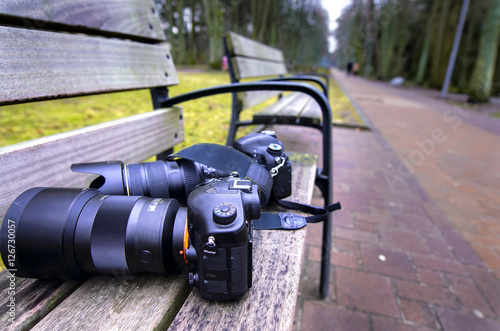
[224,213]
[274,148]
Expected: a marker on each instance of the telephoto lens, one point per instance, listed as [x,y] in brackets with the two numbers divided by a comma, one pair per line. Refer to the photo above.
[69,233]
[159,179]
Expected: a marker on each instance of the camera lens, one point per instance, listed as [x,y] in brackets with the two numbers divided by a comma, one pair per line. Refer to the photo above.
[174,179]
[159,179]
[68,233]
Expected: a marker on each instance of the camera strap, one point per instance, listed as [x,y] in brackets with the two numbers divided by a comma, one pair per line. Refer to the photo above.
[289,221]
[227,159]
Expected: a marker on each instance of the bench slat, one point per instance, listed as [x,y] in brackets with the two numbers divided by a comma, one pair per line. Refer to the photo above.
[248,68]
[250,99]
[145,302]
[41,65]
[296,108]
[277,255]
[46,161]
[311,114]
[293,101]
[242,46]
[131,18]
[34,298]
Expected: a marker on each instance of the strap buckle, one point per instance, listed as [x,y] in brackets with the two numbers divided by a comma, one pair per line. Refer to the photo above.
[281,162]
[291,221]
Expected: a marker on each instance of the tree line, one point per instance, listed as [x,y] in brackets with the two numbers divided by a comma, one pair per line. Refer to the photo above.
[414,39]
[195,28]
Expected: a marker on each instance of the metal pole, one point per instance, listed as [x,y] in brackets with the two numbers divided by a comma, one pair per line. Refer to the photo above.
[456,43]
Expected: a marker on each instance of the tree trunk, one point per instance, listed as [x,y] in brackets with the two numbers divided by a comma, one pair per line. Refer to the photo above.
[465,59]
[484,68]
[171,35]
[424,56]
[371,37]
[182,41]
[192,35]
[436,74]
[213,17]
[387,37]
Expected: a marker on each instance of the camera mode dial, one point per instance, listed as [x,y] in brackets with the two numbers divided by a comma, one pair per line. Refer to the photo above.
[224,213]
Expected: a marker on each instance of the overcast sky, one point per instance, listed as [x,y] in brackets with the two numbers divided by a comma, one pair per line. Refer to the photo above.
[334,8]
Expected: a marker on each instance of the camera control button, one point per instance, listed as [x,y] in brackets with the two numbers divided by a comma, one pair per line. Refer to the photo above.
[224,213]
[215,260]
[239,257]
[274,148]
[215,286]
[145,256]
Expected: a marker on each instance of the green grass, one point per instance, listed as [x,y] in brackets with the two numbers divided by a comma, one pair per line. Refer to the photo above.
[206,119]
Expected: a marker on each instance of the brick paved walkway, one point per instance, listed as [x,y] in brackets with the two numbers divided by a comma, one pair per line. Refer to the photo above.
[416,246]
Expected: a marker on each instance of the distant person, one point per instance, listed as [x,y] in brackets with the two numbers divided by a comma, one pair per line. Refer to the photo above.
[224,63]
[355,68]
[349,68]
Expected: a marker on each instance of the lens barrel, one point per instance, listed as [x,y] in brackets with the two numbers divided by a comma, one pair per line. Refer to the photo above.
[69,233]
[159,179]
[174,179]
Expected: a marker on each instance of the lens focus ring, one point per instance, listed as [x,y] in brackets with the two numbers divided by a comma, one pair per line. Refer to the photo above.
[157,176]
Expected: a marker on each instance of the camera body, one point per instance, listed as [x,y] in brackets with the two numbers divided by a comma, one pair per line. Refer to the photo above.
[267,150]
[219,214]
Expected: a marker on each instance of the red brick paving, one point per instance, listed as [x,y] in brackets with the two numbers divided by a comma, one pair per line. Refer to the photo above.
[416,246]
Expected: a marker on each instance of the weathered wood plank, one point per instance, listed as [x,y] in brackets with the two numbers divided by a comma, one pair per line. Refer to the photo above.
[136,18]
[295,109]
[41,64]
[293,101]
[145,302]
[242,46]
[248,68]
[33,299]
[277,255]
[311,114]
[250,99]
[46,161]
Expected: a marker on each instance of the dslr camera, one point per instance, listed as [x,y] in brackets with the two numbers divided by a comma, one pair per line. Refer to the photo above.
[267,150]
[69,233]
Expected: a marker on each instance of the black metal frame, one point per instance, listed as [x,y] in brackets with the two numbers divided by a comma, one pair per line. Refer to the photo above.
[324,178]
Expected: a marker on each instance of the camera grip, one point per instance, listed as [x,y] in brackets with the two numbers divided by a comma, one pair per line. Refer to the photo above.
[225,271]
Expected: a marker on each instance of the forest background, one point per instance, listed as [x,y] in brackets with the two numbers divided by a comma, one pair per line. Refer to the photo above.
[387,38]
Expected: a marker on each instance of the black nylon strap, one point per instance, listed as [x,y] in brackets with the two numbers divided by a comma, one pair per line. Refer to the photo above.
[227,159]
[281,221]
[288,221]
[319,213]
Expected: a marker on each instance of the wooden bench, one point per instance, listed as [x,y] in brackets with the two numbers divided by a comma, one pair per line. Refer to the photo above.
[249,59]
[62,49]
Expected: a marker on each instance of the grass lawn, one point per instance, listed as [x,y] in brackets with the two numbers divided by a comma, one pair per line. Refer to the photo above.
[206,120]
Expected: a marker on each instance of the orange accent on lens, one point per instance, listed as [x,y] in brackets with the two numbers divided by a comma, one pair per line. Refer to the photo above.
[186,240]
